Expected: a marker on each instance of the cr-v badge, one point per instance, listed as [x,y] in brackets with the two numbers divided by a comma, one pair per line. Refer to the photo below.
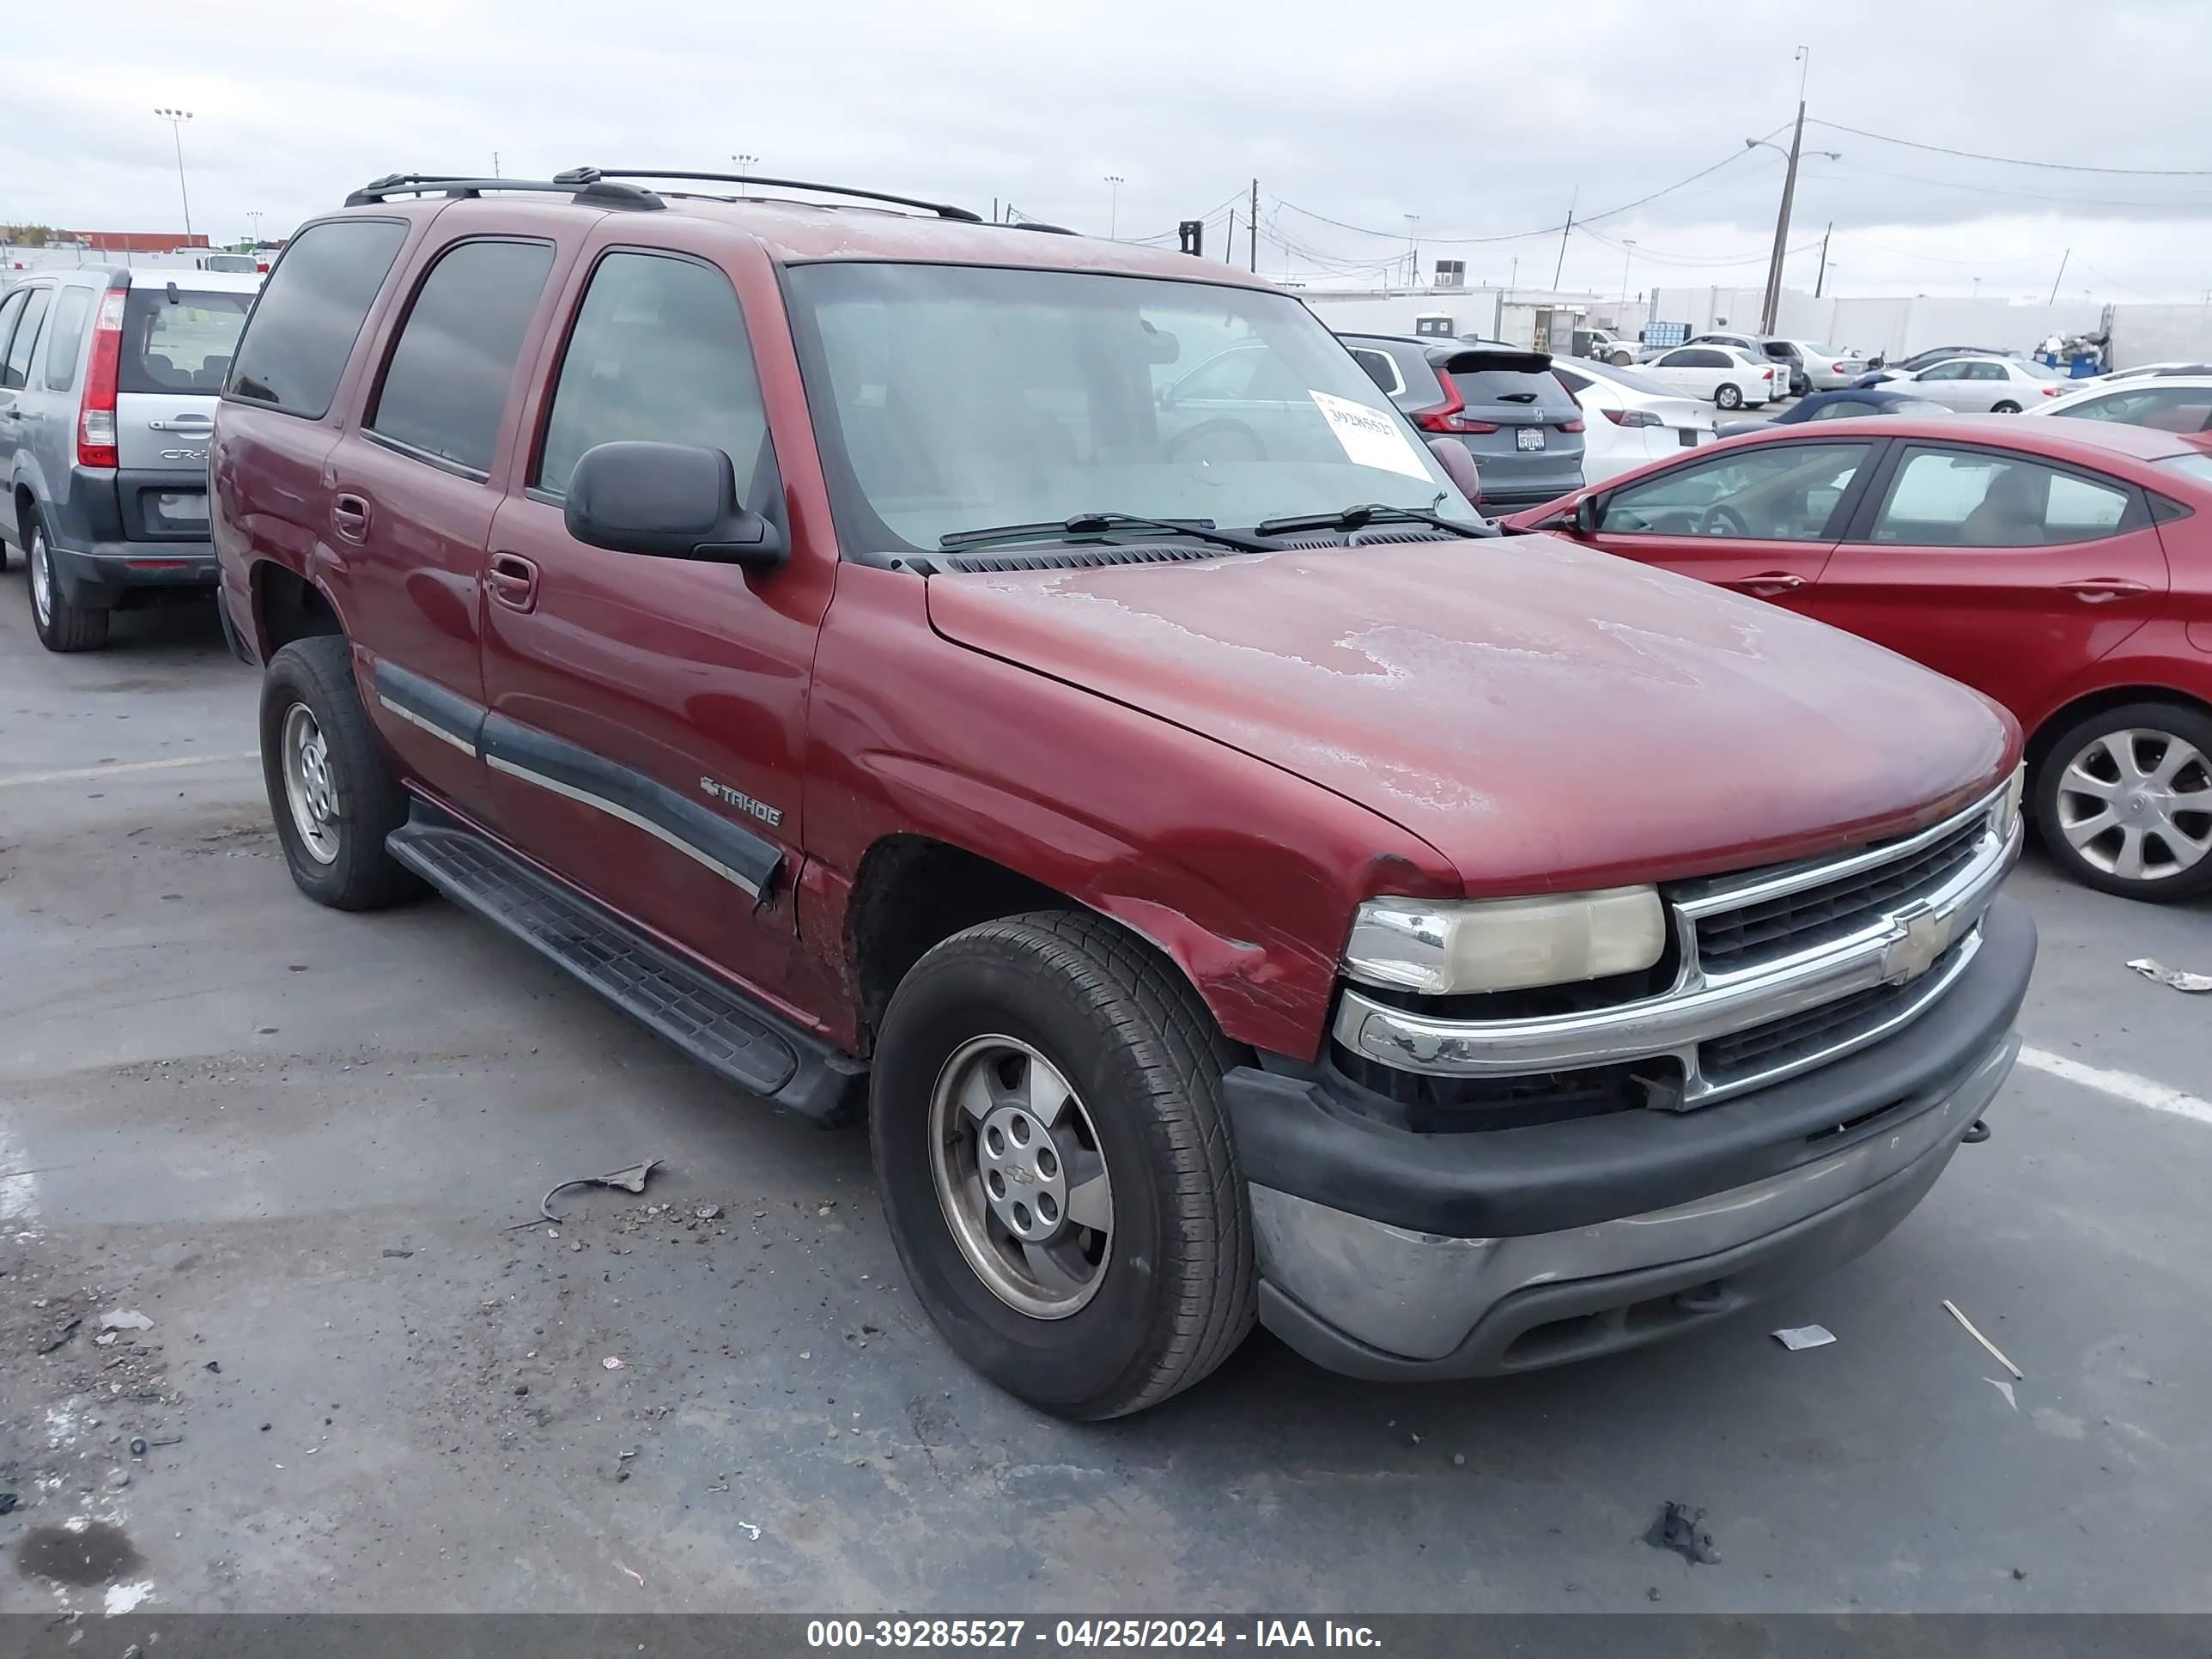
[770,816]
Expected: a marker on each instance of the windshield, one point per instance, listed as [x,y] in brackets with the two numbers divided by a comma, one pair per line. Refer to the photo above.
[950,398]
[2040,371]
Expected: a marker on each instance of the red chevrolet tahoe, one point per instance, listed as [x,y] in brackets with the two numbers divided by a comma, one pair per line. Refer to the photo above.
[1235,881]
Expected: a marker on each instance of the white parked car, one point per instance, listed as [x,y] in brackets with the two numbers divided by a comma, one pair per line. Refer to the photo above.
[1828,369]
[1982,386]
[1725,376]
[1634,420]
[2168,402]
[2139,371]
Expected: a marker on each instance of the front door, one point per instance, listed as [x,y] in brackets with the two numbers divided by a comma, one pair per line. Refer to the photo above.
[647,717]
[1998,571]
[1760,521]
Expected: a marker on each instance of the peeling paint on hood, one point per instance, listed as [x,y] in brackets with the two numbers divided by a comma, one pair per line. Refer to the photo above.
[1543,715]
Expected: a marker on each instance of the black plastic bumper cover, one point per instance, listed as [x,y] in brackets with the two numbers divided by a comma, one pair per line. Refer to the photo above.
[1293,1137]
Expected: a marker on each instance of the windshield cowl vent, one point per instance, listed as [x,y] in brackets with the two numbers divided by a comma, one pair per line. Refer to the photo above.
[1413,533]
[1074,558]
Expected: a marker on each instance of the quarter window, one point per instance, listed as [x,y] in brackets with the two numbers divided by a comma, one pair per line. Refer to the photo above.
[658,354]
[1781,493]
[447,383]
[17,372]
[310,314]
[1961,498]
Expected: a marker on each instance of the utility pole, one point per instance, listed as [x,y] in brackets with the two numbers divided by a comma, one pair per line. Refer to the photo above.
[1628,258]
[1255,227]
[1789,195]
[1229,248]
[495,164]
[1514,275]
[1412,250]
[1820,281]
[176,118]
[1568,231]
[2062,258]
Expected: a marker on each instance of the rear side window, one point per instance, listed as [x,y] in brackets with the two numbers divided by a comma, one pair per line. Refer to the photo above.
[658,353]
[447,383]
[66,337]
[17,371]
[180,343]
[1972,498]
[1381,367]
[310,314]
[1515,388]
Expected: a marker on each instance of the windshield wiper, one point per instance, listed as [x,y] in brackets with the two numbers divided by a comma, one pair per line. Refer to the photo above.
[1098,524]
[1356,518]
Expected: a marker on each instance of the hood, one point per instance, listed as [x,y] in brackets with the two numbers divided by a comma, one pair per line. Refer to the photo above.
[1544,716]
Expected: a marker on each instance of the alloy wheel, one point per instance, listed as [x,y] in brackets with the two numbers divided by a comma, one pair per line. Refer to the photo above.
[310,786]
[42,579]
[2137,804]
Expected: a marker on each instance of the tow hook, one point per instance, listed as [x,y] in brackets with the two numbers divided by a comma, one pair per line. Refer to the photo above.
[1977,1133]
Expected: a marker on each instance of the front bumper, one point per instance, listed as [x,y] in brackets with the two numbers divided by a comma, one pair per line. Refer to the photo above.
[1387,1253]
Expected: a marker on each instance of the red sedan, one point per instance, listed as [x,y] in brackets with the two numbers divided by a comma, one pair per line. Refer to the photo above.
[2063,567]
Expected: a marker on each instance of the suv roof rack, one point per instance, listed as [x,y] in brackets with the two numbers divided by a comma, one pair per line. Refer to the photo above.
[582,184]
[942,210]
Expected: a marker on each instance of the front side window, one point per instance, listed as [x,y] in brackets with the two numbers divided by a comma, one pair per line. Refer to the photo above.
[2169,409]
[949,398]
[1945,372]
[1986,371]
[66,337]
[1973,498]
[10,309]
[1843,409]
[446,387]
[176,340]
[16,374]
[658,354]
[311,312]
[1782,492]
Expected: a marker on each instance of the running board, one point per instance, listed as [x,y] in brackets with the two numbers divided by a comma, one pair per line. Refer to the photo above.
[722,1028]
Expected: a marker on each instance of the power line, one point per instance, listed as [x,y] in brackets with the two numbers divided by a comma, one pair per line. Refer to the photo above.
[1999,190]
[2014,161]
[1937,259]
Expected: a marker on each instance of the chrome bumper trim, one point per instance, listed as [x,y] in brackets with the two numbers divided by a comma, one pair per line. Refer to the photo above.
[1419,1295]
[1932,931]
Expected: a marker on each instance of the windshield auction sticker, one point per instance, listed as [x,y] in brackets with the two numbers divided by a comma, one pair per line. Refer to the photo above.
[1370,437]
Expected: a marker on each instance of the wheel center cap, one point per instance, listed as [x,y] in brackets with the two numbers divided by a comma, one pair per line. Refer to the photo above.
[1023,1178]
[2138,805]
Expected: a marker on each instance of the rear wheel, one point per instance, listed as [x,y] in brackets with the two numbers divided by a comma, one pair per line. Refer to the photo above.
[1056,1163]
[60,625]
[332,796]
[1729,397]
[2007,407]
[2123,801]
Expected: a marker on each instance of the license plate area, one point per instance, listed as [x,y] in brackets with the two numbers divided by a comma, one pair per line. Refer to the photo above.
[177,510]
[1528,437]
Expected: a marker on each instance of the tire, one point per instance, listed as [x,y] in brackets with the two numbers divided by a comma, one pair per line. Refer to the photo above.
[2007,407]
[1168,1291]
[1728,397]
[344,865]
[1621,359]
[60,625]
[2173,849]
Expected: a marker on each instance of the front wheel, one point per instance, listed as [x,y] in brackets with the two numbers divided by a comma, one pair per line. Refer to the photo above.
[1056,1163]
[2007,407]
[1728,398]
[2123,801]
[333,796]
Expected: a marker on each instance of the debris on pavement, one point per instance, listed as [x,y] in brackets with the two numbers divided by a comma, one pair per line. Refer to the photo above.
[1798,1337]
[7,1503]
[751,1531]
[399,1255]
[2180,979]
[125,1319]
[2004,1389]
[630,1180]
[612,1362]
[710,1213]
[61,1336]
[1995,1352]
[1682,1530]
[638,1576]
[213,1365]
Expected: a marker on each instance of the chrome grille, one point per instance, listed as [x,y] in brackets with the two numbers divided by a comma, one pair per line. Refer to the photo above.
[1731,941]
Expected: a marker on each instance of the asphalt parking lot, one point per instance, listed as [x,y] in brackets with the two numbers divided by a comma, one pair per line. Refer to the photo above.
[296,1140]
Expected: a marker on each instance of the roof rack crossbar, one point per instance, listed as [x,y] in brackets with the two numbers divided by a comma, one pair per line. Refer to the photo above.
[584,185]
[942,210]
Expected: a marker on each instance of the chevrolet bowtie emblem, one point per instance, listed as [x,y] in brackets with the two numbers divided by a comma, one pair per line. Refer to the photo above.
[1913,952]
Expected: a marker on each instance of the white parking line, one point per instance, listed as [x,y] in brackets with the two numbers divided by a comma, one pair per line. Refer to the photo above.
[2121,1085]
[80,774]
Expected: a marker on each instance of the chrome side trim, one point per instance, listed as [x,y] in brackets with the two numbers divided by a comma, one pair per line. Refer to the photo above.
[429,726]
[1903,946]
[615,809]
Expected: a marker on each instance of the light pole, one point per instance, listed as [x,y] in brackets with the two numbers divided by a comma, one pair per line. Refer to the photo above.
[745,164]
[1412,250]
[1626,258]
[1773,302]
[1114,183]
[254,214]
[176,118]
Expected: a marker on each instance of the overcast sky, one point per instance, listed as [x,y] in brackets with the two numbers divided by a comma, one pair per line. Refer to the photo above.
[1485,119]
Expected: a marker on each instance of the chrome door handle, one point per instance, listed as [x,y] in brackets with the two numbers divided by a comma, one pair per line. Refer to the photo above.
[1771,582]
[2100,590]
[182,423]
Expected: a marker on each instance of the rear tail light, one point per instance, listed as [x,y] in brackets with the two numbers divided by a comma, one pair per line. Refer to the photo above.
[1451,417]
[1631,418]
[1770,373]
[2051,391]
[1571,426]
[95,417]
[1835,369]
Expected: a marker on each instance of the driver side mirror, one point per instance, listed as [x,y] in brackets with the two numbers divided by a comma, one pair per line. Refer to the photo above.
[667,501]
[1458,463]
[1585,519]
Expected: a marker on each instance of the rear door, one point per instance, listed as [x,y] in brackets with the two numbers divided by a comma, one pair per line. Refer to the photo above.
[1947,385]
[1522,426]
[2005,572]
[1760,519]
[1694,371]
[177,344]
[11,437]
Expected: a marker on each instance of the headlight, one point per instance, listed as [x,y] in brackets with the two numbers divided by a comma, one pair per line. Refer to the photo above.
[1504,945]
[2004,812]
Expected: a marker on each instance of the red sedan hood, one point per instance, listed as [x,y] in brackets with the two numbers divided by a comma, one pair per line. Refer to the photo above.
[1543,715]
